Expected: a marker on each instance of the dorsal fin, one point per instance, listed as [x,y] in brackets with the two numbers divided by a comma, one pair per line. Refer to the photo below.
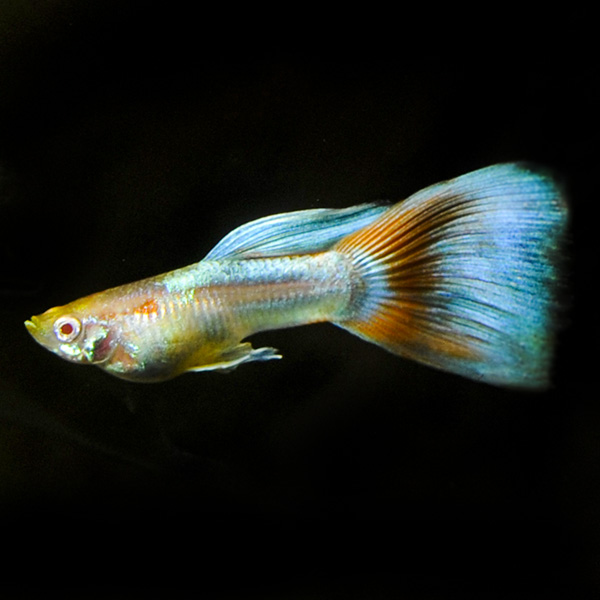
[298,232]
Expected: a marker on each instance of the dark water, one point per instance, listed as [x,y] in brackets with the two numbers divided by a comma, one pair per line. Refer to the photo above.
[128,147]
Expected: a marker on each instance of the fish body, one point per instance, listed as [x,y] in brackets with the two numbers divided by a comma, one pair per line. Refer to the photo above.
[462,276]
[195,317]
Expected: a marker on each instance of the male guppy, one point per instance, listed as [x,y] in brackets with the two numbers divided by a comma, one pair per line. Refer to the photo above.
[461,276]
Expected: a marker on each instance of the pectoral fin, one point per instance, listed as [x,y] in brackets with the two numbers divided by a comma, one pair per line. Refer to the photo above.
[231,359]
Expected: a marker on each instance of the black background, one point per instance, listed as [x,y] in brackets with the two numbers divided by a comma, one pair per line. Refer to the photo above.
[130,142]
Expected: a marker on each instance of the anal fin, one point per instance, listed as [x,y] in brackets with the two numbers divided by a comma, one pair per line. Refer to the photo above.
[231,359]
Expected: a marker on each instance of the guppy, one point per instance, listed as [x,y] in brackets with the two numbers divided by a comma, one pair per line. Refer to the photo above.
[462,276]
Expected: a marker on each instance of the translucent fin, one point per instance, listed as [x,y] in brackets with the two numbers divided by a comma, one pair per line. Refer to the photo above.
[242,353]
[299,232]
[464,275]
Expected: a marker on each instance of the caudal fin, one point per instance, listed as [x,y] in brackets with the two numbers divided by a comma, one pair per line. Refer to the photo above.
[464,275]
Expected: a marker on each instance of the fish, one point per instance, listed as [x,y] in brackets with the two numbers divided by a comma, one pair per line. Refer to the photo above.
[464,276]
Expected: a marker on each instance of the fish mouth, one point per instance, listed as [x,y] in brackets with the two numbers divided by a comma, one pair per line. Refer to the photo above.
[33,326]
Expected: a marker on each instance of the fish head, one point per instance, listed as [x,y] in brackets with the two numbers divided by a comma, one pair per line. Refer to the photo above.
[74,334]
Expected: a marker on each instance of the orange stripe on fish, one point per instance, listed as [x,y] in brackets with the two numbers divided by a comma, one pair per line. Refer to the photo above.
[149,307]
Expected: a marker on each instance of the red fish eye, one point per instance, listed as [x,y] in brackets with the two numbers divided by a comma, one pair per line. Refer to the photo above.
[67,328]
